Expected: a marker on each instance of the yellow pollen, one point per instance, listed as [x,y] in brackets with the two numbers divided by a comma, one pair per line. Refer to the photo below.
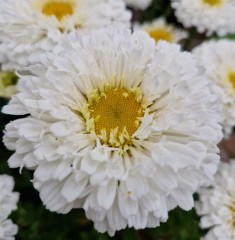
[116,109]
[212,2]
[58,9]
[160,34]
[231,78]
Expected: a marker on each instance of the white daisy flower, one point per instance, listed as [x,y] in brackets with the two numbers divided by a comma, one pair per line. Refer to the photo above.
[7,229]
[209,16]
[28,27]
[138,4]
[216,205]
[8,201]
[217,57]
[118,126]
[159,29]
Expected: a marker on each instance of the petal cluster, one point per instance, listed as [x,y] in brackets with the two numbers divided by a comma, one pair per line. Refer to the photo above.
[172,152]
[138,4]
[27,30]
[207,16]
[217,57]
[216,205]
[8,201]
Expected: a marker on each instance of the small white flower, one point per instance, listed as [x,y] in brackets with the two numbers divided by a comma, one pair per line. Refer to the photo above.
[29,27]
[8,201]
[138,4]
[209,16]
[119,126]
[159,29]
[216,205]
[217,57]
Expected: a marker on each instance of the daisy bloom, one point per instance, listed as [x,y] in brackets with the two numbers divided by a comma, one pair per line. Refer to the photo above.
[29,27]
[209,16]
[116,125]
[159,29]
[216,205]
[217,57]
[8,201]
[138,4]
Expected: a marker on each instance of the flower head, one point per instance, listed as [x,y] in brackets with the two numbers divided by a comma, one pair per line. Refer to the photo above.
[217,57]
[8,201]
[119,126]
[209,16]
[159,29]
[37,26]
[216,205]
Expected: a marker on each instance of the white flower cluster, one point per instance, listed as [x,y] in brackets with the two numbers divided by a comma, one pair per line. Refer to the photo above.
[217,57]
[120,124]
[8,201]
[28,27]
[217,205]
[117,125]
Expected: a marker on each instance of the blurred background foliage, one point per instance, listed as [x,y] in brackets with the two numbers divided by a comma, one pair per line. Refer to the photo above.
[37,223]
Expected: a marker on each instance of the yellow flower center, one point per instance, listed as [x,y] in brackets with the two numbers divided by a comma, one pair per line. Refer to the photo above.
[212,3]
[116,109]
[114,115]
[231,78]
[58,9]
[160,34]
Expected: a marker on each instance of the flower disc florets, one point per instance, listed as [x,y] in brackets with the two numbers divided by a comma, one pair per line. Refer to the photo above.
[119,126]
[114,115]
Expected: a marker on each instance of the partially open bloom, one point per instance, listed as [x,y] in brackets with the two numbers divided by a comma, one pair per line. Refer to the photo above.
[8,201]
[216,205]
[217,57]
[119,126]
[138,4]
[209,16]
[29,27]
[159,29]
